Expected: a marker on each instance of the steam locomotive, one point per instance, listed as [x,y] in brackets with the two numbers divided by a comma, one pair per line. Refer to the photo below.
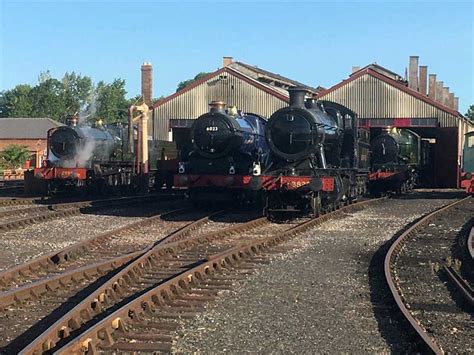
[227,147]
[319,157]
[93,159]
[396,159]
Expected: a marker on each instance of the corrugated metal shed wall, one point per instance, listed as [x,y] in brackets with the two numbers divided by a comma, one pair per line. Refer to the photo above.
[370,97]
[225,87]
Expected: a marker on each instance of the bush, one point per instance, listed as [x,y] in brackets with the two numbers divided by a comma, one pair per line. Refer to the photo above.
[14,156]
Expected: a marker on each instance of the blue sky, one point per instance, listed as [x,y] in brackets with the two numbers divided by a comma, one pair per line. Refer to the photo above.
[316,43]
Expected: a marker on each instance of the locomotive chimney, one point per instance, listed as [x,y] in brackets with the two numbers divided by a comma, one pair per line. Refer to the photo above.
[432,86]
[147,83]
[297,95]
[422,81]
[226,61]
[413,73]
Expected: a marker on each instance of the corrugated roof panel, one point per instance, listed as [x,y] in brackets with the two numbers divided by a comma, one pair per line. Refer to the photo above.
[372,98]
[224,86]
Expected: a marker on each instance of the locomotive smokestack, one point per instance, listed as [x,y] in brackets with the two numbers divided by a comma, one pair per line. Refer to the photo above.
[147,83]
[297,95]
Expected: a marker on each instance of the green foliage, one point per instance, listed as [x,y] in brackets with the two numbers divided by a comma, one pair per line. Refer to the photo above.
[111,102]
[14,156]
[185,83]
[470,113]
[16,102]
[74,94]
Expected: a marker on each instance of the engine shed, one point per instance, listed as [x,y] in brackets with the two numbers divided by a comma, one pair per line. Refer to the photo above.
[249,88]
[383,100]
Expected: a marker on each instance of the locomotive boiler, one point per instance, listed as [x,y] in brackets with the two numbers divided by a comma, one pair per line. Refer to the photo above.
[226,148]
[78,147]
[319,156]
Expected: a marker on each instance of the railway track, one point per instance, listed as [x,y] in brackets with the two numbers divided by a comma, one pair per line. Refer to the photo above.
[35,289]
[417,281]
[137,308]
[37,214]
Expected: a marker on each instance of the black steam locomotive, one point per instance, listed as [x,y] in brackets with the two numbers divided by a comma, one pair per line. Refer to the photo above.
[397,157]
[319,157]
[90,159]
[226,148]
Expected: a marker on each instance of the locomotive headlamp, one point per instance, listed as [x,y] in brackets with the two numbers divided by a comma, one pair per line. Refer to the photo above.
[232,170]
[257,169]
[181,167]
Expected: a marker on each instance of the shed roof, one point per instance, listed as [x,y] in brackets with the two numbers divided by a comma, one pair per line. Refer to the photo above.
[260,73]
[394,83]
[253,76]
[280,93]
[26,128]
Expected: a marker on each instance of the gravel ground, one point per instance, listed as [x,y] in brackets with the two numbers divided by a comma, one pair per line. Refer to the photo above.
[326,295]
[21,245]
[432,299]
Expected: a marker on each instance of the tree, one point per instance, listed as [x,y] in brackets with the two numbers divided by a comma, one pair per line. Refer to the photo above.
[16,102]
[470,113]
[185,83]
[77,93]
[111,102]
[47,98]
[14,156]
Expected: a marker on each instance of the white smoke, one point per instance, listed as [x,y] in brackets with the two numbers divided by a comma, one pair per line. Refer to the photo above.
[89,112]
[84,154]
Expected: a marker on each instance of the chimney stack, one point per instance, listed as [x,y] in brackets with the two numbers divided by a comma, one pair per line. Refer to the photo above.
[432,86]
[227,60]
[147,83]
[439,91]
[355,68]
[413,73]
[456,103]
[451,100]
[445,99]
[423,79]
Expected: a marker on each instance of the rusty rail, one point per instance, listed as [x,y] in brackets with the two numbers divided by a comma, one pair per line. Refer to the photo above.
[470,243]
[67,209]
[51,262]
[390,259]
[100,333]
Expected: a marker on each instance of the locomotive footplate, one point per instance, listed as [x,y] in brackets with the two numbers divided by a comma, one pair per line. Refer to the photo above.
[309,183]
[61,173]
[228,181]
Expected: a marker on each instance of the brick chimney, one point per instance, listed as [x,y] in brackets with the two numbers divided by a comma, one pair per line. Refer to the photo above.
[439,91]
[456,103]
[226,61]
[451,100]
[445,99]
[355,68]
[423,78]
[147,83]
[413,73]
[432,86]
